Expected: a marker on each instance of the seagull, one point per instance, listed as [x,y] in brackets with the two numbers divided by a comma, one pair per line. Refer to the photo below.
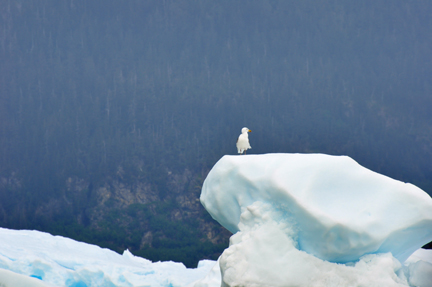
[243,141]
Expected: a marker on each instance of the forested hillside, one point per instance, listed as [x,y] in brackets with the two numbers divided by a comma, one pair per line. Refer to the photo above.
[112,112]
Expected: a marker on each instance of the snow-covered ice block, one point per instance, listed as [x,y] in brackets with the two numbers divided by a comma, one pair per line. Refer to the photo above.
[338,210]
[264,253]
[12,279]
[33,258]
[418,268]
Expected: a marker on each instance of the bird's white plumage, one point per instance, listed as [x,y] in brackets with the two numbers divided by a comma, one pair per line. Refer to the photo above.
[243,141]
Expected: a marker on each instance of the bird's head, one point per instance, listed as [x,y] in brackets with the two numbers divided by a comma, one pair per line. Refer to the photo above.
[245,130]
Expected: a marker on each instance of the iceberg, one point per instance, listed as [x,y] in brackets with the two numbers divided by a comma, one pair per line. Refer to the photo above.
[298,220]
[316,220]
[34,258]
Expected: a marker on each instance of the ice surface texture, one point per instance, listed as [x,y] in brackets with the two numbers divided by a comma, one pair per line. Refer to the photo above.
[48,260]
[290,213]
[338,210]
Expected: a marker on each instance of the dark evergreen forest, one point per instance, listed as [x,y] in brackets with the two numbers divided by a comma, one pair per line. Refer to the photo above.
[112,112]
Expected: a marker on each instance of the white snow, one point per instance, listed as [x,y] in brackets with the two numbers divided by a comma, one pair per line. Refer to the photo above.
[316,220]
[264,253]
[11,279]
[59,261]
[298,220]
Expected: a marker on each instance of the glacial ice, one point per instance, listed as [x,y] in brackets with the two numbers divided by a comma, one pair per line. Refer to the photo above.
[315,220]
[341,210]
[298,220]
[264,253]
[33,258]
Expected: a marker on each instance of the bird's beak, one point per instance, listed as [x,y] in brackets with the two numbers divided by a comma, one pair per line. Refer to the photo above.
[250,131]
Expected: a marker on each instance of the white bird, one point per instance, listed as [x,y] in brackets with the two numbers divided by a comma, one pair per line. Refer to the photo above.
[243,141]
